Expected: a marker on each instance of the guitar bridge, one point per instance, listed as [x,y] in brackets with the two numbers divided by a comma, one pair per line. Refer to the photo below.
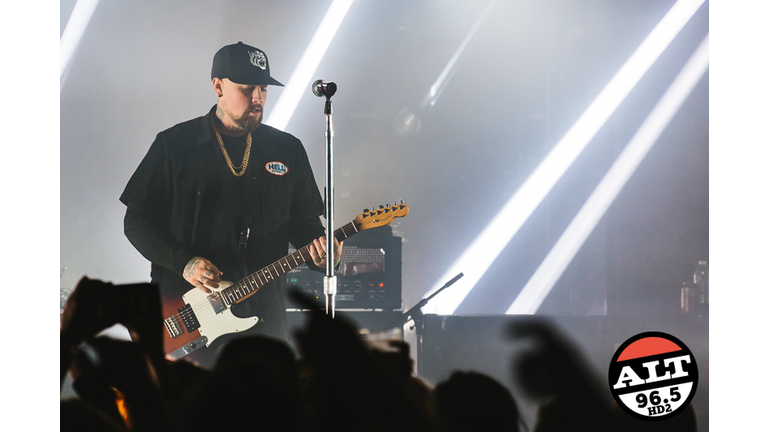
[173,326]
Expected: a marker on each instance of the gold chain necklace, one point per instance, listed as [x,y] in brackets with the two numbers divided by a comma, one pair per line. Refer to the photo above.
[247,154]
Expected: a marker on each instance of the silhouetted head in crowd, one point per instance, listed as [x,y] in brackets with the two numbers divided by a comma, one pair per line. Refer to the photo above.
[254,384]
[471,401]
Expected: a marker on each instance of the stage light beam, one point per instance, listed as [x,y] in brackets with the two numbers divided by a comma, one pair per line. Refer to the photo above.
[73,32]
[298,84]
[434,91]
[543,280]
[484,250]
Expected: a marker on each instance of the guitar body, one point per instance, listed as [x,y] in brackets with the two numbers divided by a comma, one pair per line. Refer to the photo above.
[211,316]
[196,319]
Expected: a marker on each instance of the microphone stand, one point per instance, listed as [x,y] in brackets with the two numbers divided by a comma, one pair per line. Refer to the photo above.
[417,315]
[329,281]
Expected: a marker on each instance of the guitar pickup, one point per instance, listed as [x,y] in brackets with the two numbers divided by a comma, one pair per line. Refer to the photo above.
[217,303]
[188,318]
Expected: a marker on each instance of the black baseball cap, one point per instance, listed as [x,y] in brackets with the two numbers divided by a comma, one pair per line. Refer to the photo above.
[242,64]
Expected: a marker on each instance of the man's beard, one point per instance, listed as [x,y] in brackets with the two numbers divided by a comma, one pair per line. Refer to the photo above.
[248,123]
[243,124]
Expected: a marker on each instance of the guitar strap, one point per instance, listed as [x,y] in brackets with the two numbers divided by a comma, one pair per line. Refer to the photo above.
[250,205]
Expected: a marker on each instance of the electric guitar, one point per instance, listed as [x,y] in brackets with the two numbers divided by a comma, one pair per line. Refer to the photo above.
[196,319]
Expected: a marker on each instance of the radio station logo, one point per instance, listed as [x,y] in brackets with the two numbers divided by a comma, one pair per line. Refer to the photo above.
[653,376]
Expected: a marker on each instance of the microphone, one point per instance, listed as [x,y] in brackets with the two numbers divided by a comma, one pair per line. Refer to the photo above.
[320,88]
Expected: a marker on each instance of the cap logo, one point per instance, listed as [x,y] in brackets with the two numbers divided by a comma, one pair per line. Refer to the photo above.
[258,59]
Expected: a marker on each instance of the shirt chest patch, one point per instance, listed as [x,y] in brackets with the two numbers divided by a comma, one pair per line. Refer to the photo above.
[276,168]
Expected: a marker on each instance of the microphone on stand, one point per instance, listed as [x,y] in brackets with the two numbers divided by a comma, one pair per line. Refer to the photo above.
[321,88]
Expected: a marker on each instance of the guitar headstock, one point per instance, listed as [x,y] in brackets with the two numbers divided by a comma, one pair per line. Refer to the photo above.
[380,217]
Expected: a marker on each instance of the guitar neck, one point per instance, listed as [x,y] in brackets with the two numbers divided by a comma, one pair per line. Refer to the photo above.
[248,286]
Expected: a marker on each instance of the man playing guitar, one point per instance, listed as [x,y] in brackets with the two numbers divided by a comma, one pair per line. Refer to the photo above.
[222,195]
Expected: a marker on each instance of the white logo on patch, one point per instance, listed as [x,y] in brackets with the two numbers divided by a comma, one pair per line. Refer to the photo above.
[276,168]
[258,59]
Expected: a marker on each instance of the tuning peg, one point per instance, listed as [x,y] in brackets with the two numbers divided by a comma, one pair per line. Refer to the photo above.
[365,210]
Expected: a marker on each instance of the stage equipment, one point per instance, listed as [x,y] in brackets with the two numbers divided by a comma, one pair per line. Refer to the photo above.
[369,275]
[330,282]
[419,322]
[321,88]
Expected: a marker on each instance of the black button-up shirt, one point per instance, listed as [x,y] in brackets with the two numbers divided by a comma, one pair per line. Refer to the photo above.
[169,200]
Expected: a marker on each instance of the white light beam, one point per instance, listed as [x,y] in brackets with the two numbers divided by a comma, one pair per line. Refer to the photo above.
[553,266]
[298,84]
[493,239]
[73,32]
[434,91]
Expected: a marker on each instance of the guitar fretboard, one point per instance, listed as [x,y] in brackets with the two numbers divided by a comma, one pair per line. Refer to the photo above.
[251,284]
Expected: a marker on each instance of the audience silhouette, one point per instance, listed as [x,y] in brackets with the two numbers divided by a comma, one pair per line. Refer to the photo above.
[332,380]
[475,401]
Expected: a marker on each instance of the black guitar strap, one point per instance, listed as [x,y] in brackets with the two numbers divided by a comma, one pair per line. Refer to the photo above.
[250,205]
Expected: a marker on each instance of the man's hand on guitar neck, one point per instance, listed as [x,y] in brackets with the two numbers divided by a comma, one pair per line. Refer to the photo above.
[318,251]
[203,274]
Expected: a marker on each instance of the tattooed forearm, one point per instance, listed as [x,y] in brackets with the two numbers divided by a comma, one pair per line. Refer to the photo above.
[191,267]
